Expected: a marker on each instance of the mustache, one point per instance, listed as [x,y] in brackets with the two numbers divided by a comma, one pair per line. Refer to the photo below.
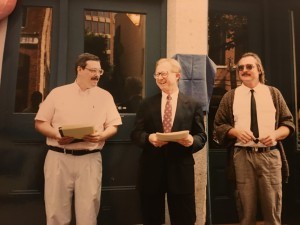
[95,78]
[243,74]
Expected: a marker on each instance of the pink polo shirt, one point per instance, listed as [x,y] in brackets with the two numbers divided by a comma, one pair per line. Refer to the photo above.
[69,105]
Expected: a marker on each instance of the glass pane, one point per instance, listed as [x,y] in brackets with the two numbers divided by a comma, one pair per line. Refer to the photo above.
[228,40]
[34,59]
[227,37]
[119,40]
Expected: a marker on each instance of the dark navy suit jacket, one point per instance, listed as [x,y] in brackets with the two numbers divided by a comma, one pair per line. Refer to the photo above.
[169,168]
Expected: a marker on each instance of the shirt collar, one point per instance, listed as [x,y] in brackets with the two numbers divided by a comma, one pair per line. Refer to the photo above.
[77,88]
[173,95]
[246,89]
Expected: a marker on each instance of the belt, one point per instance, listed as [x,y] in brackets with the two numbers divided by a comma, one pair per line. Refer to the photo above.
[73,151]
[258,149]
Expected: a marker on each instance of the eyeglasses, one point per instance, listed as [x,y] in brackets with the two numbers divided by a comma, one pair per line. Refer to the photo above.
[163,74]
[97,71]
[247,66]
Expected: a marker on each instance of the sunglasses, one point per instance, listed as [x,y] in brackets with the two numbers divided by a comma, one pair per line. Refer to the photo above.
[247,66]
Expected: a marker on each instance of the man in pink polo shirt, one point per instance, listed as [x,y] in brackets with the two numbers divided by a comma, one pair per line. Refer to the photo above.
[72,166]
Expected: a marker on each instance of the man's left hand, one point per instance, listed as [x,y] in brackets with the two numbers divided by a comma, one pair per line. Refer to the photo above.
[94,137]
[186,142]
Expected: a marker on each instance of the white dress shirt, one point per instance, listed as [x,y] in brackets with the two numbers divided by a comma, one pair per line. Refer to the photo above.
[266,111]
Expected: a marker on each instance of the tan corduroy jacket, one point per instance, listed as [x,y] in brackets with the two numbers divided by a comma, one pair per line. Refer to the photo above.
[224,121]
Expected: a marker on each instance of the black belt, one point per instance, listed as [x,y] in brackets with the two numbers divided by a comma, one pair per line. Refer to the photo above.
[258,149]
[73,151]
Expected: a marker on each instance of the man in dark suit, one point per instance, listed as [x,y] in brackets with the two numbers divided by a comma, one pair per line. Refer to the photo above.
[168,167]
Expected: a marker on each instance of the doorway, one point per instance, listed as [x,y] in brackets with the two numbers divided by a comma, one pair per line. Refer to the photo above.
[266,29]
[43,40]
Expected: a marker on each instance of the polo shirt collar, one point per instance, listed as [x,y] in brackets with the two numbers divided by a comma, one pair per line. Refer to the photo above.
[77,88]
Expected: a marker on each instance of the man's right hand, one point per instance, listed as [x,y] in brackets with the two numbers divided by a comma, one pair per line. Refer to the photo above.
[64,140]
[155,142]
[242,135]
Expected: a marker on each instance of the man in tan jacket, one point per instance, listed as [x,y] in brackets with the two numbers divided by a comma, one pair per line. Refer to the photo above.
[253,136]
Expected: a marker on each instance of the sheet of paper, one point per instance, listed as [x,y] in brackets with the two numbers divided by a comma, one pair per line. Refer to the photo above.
[172,136]
[76,131]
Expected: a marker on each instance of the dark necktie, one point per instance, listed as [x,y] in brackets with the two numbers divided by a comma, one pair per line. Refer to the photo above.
[254,123]
[167,119]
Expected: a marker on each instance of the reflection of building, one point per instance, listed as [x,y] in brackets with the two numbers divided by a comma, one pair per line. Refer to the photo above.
[101,24]
[125,34]
[132,43]
[227,37]
[125,30]
[225,78]
[119,40]
[34,54]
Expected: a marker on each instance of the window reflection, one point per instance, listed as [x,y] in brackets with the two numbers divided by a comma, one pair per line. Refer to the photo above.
[228,37]
[119,40]
[34,58]
[228,40]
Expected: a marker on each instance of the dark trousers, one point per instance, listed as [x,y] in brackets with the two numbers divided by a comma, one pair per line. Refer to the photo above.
[182,209]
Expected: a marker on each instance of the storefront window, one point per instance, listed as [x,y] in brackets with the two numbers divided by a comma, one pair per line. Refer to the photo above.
[119,40]
[228,39]
[34,59]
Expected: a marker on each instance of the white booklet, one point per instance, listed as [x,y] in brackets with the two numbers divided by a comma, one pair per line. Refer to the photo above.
[173,136]
[76,131]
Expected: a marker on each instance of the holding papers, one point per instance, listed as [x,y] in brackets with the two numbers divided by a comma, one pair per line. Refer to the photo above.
[173,136]
[76,131]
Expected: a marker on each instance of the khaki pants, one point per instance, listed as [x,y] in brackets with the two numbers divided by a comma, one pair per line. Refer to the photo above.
[258,177]
[67,174]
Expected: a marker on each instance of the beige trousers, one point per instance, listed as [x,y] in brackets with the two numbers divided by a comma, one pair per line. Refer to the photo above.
[66,175]
[258,177]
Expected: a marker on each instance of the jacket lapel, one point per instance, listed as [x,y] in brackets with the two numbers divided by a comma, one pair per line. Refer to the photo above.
[156,112]
[179,115]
